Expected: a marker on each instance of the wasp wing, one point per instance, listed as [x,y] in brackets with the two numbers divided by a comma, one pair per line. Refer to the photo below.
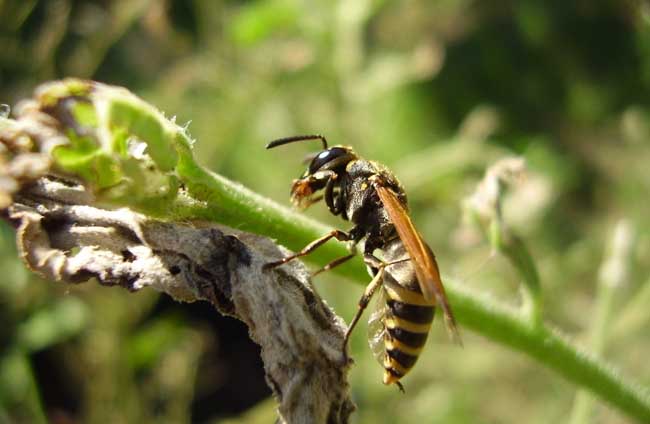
[426,267]
[376,327]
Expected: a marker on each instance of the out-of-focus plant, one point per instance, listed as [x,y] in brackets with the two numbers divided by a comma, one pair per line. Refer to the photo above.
[485,208]
[401,81]
[612,277]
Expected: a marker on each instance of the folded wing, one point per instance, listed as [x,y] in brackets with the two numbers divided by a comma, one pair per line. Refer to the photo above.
[426,267]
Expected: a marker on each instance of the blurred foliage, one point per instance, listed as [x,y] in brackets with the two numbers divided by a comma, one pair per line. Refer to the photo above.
[436,90]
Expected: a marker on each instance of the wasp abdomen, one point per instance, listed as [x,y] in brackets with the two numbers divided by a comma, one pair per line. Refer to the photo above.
[406,323]
[414,313]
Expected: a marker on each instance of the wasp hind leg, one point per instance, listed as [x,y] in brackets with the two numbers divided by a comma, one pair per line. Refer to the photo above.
[338,234]
[363,304]
[334,263]
[400,387]
[372,287]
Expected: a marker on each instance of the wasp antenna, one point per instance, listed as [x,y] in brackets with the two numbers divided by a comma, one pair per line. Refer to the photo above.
[286,140]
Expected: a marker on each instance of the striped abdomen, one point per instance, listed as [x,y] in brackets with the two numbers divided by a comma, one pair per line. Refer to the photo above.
[406,321]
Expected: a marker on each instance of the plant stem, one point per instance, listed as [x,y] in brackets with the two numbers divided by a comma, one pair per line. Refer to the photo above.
[514,248]
[232,204]
[550,348]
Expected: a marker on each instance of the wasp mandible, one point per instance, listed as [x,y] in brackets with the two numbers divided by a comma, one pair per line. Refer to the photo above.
[367,194]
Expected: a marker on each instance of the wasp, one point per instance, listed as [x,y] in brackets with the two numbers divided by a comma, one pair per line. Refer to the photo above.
[399,261]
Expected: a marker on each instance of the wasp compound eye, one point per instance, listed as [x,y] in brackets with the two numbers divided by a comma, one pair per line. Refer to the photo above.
[325,157]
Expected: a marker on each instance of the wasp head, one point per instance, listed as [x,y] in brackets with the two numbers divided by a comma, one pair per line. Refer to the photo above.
[327,165]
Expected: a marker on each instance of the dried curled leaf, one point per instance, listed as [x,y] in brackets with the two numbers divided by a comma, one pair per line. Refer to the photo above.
[64,238]
[79,143]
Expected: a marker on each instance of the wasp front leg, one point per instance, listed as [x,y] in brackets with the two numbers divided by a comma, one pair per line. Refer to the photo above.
[333,200]
[337,234]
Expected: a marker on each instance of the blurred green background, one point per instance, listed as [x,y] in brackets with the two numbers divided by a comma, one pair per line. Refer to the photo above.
[437,90]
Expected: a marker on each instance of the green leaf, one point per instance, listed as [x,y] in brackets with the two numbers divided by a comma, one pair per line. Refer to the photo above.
[85,114]
[53,324]
[149,343]
[146,125]
[259,20]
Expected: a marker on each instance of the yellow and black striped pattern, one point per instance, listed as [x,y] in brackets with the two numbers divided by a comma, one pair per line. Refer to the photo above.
[407,320]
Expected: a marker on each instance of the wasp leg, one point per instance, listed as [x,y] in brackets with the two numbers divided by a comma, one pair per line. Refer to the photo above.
[329,197]
[311,201]
[372,287]
[334,263]
[363,304]
[400,387]
[375,263]
[334,204]
[338,234]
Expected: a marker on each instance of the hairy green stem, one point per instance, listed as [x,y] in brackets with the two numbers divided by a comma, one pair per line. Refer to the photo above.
[514,248]
[232,204]
[551,349]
